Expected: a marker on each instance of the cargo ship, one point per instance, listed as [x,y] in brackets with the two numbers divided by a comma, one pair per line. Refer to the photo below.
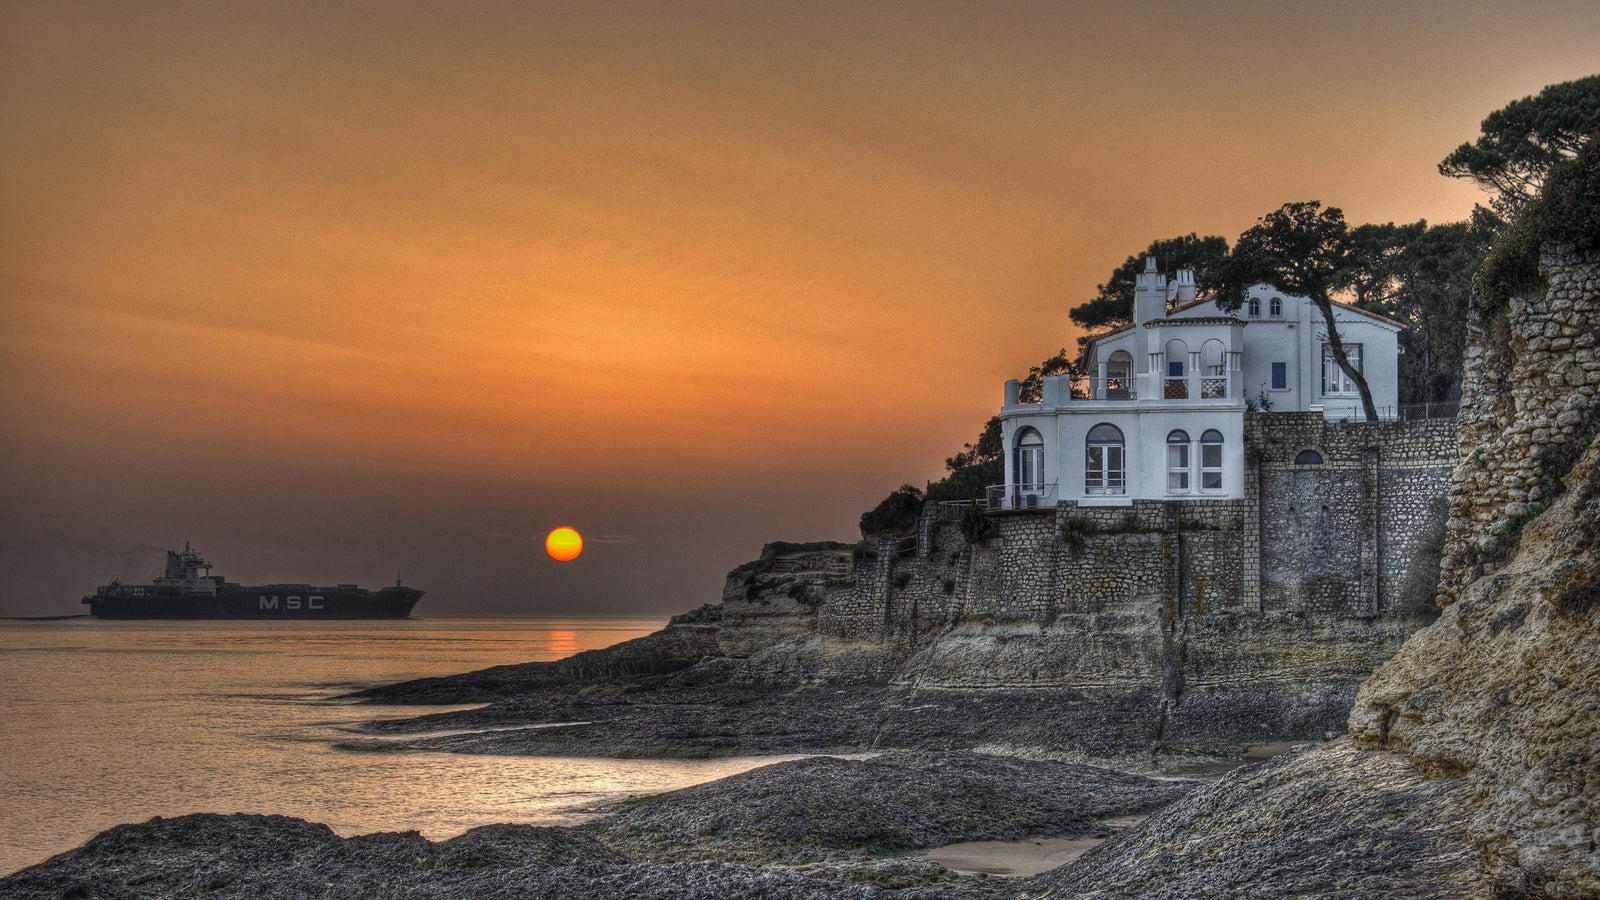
[188,590]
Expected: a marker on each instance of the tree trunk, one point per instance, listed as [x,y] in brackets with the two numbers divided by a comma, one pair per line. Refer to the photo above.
[1325,305]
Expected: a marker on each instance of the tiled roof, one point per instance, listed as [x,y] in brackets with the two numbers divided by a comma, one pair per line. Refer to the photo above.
[1196,320]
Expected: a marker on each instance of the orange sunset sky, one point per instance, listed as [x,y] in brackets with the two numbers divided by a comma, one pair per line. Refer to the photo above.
[337,289]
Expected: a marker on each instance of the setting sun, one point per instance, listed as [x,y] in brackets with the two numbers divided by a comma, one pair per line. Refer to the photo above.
[564,544]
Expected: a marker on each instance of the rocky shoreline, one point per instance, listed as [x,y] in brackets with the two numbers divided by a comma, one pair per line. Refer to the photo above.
[1328,821]
[816,827]
[673,694]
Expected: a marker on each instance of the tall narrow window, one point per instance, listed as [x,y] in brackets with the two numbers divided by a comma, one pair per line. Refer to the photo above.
[1177,386]
[1103,470]
[1030,460]
[1119,376]
[1177,462]
[1211,460]
[1334,380]
[1255,308]
[1280,376]
[1276,307]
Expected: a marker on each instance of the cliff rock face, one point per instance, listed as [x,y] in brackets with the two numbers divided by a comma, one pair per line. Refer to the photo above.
[1503,691]
[1332,822]
[1529,395]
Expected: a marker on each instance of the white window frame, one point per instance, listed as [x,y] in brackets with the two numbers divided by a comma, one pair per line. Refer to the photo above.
[1179,474]
[1334,381]
[1210,472]
[1275,308]
[1030,460]
[1105,464]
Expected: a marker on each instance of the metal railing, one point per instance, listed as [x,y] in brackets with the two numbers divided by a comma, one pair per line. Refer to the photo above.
[950,510]
[1214,388]
[1021,496]
[1176,389]
[1414,412]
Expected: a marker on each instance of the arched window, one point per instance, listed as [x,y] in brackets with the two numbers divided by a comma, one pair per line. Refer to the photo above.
[1255,308]
[1214,356]
[1104,461]
[1308,458]
[1211,460]
[1119,376]
[1178,462]
[1277,307]
[1030,460]
[1177,359]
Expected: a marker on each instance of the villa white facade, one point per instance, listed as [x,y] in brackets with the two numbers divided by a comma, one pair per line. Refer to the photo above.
[1163,413]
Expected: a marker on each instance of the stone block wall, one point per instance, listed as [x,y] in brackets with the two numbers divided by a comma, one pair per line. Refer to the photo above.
[1354,534]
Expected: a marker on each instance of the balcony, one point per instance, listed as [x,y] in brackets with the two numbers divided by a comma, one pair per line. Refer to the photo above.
[1150,387]
[1219,386]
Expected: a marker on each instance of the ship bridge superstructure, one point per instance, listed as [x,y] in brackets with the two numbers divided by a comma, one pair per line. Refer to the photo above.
[187,572]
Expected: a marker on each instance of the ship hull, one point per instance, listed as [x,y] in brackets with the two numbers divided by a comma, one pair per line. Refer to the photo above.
[270,601]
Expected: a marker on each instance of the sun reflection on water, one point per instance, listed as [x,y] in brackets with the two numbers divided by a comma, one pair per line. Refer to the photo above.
[117,722]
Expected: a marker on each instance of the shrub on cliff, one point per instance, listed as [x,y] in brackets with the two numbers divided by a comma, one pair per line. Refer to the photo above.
[898,512]
[975,526]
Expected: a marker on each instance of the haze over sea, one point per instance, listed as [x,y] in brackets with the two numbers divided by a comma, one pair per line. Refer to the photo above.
[113,722]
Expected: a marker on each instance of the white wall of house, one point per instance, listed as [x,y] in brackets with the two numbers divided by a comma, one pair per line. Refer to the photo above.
[1145,449]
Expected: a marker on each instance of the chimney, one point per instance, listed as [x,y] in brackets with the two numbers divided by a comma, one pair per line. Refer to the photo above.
[1185,286]
[1149,294]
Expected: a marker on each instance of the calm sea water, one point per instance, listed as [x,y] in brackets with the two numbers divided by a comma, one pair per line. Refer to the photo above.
[109,722]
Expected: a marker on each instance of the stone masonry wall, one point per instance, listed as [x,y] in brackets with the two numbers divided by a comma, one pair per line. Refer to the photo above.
[1357,533]
[1528,402]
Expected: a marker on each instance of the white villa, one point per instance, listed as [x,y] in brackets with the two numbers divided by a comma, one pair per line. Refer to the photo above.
[1163,415]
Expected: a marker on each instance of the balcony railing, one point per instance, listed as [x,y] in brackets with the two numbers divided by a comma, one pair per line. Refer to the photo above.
[1176,389]
[1117,387]
[1021,496]
[1214,388]
[1411,412]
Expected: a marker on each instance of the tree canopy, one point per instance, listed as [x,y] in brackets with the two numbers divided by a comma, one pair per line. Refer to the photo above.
[1525,139]
[897,512]
[970,472]
[1031,388]
[1112,306]
[1567,211]
[1300,248]
[1422,276]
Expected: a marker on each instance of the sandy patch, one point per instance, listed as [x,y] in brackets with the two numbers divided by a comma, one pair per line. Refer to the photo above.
[1018,858]
[1258,752]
